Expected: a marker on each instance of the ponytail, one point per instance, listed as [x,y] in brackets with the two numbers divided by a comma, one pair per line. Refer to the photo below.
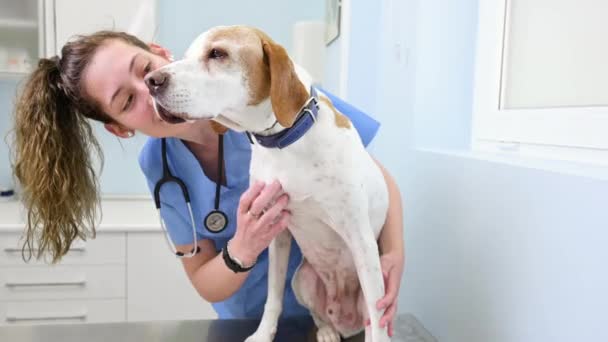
[52,162]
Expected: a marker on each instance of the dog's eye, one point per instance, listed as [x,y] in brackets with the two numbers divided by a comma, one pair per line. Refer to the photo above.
[217,54]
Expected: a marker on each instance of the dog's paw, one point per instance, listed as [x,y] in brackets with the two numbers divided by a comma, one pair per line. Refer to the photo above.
[327,334]
[262,335]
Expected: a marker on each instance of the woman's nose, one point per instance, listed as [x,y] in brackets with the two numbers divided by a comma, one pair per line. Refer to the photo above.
[157,82]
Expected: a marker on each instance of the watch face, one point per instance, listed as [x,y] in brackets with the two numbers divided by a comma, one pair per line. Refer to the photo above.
[216,221]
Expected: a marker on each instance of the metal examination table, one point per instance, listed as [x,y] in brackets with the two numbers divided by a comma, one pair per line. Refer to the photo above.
[407,329]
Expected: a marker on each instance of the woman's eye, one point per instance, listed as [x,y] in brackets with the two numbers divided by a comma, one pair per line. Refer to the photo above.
[128,103]
[217,54]
[148,68]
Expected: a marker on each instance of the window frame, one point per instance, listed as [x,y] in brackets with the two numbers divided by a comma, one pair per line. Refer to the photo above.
[554,133]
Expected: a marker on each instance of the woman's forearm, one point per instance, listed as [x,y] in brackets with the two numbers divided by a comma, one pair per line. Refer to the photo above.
[215,282]
[391,236]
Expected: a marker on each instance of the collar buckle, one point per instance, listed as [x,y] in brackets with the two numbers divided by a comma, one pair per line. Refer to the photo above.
[307,116]
[310,113]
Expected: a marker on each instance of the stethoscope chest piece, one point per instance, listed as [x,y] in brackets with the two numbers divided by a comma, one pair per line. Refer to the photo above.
[216,221]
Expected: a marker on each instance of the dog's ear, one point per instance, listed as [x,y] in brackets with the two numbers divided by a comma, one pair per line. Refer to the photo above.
[287,93]
[218,127]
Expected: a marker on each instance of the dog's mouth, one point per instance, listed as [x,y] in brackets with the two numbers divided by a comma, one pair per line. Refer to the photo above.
[167,116]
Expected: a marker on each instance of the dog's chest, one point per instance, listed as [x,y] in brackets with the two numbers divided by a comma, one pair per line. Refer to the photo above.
[318,241]
[324,174]
[315,169]
[317,186]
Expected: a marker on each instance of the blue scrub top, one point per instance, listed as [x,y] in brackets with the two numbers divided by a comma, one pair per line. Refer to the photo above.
[249,300]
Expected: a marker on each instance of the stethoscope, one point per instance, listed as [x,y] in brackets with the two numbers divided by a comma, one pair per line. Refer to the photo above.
[215,221]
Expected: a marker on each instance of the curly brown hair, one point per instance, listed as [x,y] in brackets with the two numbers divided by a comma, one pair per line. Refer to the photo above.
[52,145]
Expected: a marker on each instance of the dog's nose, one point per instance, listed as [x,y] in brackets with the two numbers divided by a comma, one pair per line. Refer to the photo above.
[157,81]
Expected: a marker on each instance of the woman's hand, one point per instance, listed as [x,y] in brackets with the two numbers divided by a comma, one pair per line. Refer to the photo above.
[260,217]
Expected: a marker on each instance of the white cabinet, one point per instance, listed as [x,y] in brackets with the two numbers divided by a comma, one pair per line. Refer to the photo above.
[73,17]
[119,276]
[105,249]
[62,282]
[65,311]
[157,285]
[89,285]
[30,29]
[22,27]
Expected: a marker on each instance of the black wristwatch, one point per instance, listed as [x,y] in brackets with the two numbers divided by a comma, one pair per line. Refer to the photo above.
[234,264]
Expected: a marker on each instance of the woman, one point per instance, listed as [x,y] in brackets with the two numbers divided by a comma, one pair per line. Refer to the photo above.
[101,77]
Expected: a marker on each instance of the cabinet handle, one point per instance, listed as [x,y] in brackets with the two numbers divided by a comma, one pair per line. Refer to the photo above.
[13,319]
[58,283]
[17,250]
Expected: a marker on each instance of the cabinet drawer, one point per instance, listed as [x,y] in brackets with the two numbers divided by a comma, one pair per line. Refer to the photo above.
[106,248]
[152,273]
[65,311]
[61,282]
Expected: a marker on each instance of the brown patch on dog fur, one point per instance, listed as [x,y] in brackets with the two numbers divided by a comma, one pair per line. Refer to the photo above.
[258,76]
[238,34]
[251,56]
[342,120]
[218,127]
[268,69]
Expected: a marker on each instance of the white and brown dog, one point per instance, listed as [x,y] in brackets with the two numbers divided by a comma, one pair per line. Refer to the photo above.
[240,78]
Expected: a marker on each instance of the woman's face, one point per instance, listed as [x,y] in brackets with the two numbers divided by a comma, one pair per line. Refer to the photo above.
[115,79]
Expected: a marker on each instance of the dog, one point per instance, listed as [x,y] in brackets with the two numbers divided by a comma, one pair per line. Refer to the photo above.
[239,77]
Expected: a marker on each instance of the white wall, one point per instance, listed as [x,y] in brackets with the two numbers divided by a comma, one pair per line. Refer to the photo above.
[495,251]
[181,21]
[505,253]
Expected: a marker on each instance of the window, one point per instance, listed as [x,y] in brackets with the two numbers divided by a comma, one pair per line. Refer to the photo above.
[541,83]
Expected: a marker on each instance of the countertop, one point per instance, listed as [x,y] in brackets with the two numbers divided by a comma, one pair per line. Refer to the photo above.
[407,329]
[118,214]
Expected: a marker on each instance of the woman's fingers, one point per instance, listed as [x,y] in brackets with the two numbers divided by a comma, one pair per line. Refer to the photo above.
[271,214]
[249,196]
[389,315]
[264,213]
[391,286]
[280,224]
[263,200]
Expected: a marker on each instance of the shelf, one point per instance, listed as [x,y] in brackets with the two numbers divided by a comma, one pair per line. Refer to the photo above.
[21,24]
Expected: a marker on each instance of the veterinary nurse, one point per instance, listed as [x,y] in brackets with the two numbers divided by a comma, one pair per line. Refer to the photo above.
[100,77]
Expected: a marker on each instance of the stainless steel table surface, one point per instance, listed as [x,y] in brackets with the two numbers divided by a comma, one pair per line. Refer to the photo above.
[407,329]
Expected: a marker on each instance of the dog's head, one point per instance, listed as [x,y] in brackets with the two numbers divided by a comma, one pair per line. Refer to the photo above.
[227,74]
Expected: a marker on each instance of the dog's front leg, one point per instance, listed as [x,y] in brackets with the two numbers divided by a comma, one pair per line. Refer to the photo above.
[278,258]
[364,249]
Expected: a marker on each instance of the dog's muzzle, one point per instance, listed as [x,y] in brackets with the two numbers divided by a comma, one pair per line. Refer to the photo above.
[166,115]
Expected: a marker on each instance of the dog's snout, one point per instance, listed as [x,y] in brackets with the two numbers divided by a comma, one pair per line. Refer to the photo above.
[157,82]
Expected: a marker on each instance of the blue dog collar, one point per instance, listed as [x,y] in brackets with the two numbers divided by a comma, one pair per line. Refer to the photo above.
[306,118]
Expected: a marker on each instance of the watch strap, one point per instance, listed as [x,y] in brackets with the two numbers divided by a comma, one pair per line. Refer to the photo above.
[232,264]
